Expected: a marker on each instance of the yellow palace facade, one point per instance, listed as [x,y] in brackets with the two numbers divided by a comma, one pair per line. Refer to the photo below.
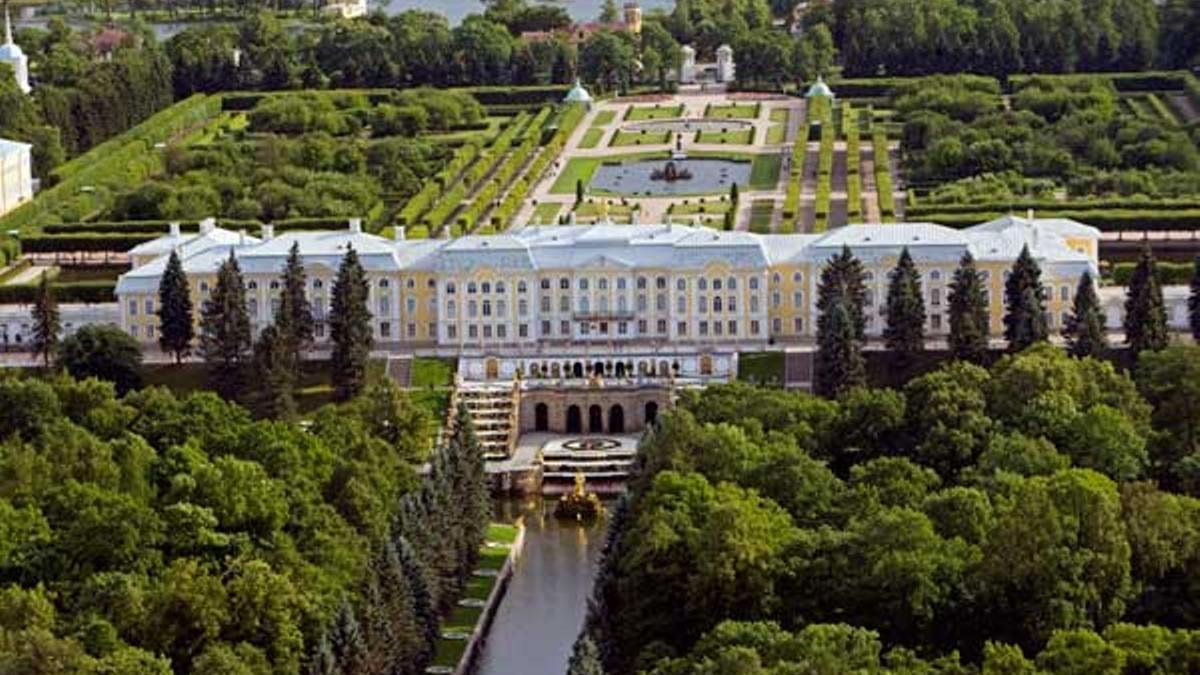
[543,300]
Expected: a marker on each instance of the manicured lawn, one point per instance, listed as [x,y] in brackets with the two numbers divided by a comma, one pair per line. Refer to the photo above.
[736,111]
[431,372]
[492,558]
[761,368]
[448,652]
[546,213]
[779,115]
[776,133]
[591,138]
[501,533]
[462,620]
[653,112]
[760,215]
[764,174]
[603,118]
[695,207]
[479,588]
[627,138]
[593,209]
[737,137]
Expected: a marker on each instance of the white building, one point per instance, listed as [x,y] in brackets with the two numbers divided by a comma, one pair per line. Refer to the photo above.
[16,174]
[346,9]
[687,68]
[12,55]
[726,68]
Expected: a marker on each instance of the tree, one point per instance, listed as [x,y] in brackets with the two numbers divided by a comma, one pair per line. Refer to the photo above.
[905,312]
[814,53]
[1024,303]
[585,658]
[349,328]
[103,351]
[295,319]
[225,339]
[839,361]
[46,323]
[347,642]
[609,12]
[1084,328]
[969,317]
[275,374]
[1145,314]
[175,323]
[607,59]
[842,279]
[1194,300]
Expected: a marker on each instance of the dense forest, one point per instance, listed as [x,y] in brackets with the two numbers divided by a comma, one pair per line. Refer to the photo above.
[156,534]
[1040,516]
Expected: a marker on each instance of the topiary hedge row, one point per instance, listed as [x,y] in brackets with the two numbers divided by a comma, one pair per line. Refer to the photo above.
[1115,220]
[883,178]
[916,208]
[853,177]
[568,119]
[76,291]
[1169,273]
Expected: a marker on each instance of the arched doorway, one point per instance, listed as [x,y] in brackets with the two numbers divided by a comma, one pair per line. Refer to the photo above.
[598,369]
[616,420]
[651,413]
[493,369]
[574,420]
[620,369]
[595,420]
[541,417]
[577,369]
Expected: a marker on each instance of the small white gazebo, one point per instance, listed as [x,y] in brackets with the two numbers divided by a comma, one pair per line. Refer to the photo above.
[578,95]
[819,89]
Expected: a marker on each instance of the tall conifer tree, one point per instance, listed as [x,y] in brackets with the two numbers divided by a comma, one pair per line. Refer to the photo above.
[350,328]
[1025,303]
[904,333]
[839,361]
[46,322]
[175,321]
[295,317]
[969,316]
[842,281]
[585,658]
[1084,329]
[1194,300]
[225,339]
[1145,313]
[275,373]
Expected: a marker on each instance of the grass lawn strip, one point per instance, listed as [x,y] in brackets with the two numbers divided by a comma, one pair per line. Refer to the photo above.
[739,137]
[497,546]
[735,111]
[761,211]
[583,168]
[546,213]
[627,138]
[591,138]
[603,118]
[639,113]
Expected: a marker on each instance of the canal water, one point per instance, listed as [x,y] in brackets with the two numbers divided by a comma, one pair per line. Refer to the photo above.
[543,609]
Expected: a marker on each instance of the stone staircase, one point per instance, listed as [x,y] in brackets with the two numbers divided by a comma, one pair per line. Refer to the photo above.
[494,410]
[798,369]
[399,370]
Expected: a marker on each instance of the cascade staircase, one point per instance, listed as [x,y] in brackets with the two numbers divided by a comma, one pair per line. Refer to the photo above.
[399,369]
[494,410]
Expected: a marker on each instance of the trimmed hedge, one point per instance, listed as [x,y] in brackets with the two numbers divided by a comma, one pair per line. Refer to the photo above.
[918,209]
[1169,273]
[853,157]
[824,174]
[86,183]
[78,291]
[1115,220]
[84,242]
[884,191]
[567,120]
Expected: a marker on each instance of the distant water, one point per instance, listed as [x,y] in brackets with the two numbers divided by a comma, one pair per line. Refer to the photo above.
[543,609]
[455,11]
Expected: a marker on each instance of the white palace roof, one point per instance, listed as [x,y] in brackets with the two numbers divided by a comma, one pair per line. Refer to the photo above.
[565,247]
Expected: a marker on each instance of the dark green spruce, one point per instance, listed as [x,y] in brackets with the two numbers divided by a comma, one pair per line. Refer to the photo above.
[275,374]
[176,329]
[1084,329]
[1024,304]
[46,322]
[295,317]
[1145,314]
[1194,300]
[969,316]
[839,360]
[904,333]
[349,328]
[842,280]
[225,339]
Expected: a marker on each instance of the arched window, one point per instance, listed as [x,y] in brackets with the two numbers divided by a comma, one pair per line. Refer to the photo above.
[383,283]
[521,287]
[602,304]
[716,284]
[317,284]
[471,287]
[681,284]
[622,304]
[731,284]
[253,286]
[602,284]
[754,283]
[450,290]
[499,286]
[702,284]
[797,277]
[486,287]
[717,303]
[583,284]
[584,305]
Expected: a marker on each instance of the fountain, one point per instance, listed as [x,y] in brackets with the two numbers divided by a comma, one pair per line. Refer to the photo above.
[670,173]
[579,504]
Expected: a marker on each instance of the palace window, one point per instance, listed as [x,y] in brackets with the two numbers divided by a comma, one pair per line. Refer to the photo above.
[660,302]
[502,331]
[411,305]
[731,284]
[499,286]
[717,305]
[681,328]
[564,283]
[716,328]
[451,309]
[472,309]
[412,330]
[583,284]
[797,277]
[754,304]
[485,287]
[642,326]
[702,284]
[564,327]
[602,284]
[501,308]
[449,287]
[521,287]
[411,283]
[716,284]
[602,304]
[731,304]
[776,326]
[383,283]
[661,326]
[935,275]
[564,304]
[754,327]
[869,297]
[621,283]
[452,332]
[754,283]
[487,331]
[149,305]
[385,329]
[641,303]
[545,284]
[681,284]
[546,304]
[546,328]
[133,307]
[252,286]
[660,283]
[798,299]
[584,305]
[776,299]
[523,330]
[703,328]
[935,296]
[523,307]
[798,325]
[1065,293]
[776,279]
[472,288]
[680,304]
[702,303]
[487,307]
[622,304]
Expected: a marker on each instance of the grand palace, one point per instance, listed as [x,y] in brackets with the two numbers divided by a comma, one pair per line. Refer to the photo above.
[532,299]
